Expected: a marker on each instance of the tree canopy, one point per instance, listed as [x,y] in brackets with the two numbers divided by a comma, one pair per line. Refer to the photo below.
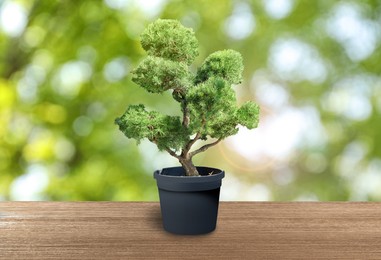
[208,105]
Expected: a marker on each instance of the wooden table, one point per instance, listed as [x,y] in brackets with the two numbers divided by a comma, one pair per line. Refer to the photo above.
[245,230]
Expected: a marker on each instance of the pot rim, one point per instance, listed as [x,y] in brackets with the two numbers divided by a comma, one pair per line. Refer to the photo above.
[213,177]
[188,183]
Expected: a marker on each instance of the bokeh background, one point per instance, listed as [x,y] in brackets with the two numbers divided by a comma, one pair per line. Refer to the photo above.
[313,66]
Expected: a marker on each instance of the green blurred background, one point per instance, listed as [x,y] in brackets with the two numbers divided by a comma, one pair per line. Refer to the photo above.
[313,66]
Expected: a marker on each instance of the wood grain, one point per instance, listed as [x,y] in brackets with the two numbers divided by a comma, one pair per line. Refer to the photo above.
[246,230]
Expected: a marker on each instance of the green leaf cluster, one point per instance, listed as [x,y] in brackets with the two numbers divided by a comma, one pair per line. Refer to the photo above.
[165,131]
[226,64]
[157,74]
[214,111]
[212,108]
[248,115]
[169,39]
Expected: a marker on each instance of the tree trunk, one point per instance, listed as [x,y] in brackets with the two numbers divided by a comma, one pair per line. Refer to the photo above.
[190,169]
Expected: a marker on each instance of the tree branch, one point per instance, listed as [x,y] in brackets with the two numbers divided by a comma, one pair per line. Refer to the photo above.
[172,153]
[204,148]
[168,150]
[185,114]
[191,142]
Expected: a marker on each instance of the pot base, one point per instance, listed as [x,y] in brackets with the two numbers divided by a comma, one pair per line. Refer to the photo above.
[189,205]
[189,213]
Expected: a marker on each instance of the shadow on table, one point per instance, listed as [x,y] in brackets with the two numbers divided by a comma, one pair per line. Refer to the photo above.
[155,220]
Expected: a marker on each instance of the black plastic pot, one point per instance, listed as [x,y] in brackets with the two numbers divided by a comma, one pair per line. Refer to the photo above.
[189,204]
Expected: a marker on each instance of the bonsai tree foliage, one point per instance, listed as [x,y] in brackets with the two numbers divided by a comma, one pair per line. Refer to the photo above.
[207,100]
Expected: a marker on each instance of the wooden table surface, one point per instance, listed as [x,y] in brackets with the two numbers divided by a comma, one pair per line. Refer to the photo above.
[245,230]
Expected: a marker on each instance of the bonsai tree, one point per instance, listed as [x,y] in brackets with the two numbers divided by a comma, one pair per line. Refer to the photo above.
[206,98]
